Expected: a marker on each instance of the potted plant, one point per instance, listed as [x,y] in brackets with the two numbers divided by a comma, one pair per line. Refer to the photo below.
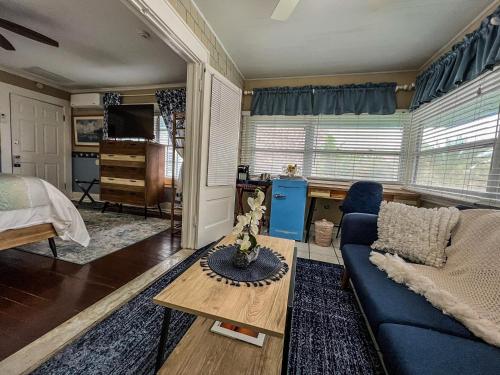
[247,229]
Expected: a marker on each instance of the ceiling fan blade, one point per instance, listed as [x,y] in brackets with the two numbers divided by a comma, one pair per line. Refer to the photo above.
[284,9]
[28,33]
[5,44]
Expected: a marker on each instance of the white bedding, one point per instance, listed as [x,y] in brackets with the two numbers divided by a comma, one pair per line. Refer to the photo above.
[49,206]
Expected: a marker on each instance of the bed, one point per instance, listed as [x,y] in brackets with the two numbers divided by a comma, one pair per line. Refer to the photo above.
[33,210]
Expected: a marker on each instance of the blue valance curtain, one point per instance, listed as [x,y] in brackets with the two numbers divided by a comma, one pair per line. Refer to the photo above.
[372,98]
[478,52]
[109,98]
[289,101]
[170,101]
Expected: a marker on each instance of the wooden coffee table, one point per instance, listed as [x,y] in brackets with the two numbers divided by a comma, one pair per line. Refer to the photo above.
[265,309]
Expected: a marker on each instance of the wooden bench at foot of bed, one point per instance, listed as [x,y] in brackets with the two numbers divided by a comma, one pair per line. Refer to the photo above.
[18,237]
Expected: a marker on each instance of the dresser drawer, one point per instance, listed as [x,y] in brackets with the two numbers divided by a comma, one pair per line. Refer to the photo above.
[134,173]
[121,181]
[123,148]
[124,157]
[110,194]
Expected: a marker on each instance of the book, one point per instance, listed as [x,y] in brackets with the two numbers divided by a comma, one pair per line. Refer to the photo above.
[239,333]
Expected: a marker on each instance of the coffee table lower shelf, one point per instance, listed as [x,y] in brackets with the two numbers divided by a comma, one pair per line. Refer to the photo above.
[203,352]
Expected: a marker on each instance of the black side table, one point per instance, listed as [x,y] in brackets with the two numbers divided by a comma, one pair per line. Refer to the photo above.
[86,189]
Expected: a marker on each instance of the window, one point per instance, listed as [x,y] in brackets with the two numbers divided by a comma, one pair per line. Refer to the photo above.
[352,147]
[163,137]
[453,146]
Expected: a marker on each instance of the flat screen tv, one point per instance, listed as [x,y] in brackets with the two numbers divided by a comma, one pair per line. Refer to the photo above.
[131,121]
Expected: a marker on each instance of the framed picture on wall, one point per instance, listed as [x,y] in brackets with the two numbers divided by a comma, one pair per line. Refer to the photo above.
[88,130]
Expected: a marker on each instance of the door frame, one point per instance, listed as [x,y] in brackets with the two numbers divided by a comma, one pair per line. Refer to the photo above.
[6,90]
[166,23]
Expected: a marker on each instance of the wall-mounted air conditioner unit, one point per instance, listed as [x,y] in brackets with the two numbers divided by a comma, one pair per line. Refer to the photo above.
[90,100]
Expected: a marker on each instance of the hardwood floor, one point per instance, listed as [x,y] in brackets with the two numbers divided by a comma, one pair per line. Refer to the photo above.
[38,293]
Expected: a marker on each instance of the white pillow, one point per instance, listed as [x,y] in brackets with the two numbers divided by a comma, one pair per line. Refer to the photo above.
[417,234]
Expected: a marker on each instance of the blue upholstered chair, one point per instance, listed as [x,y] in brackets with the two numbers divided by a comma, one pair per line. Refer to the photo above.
[364,197]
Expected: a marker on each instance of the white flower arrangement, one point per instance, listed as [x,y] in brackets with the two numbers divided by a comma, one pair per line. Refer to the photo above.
[247,227]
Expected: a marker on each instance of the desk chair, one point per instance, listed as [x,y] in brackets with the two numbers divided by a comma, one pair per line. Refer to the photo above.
[364,197]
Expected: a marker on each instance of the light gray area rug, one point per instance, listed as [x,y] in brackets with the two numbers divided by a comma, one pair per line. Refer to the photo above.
[109,232]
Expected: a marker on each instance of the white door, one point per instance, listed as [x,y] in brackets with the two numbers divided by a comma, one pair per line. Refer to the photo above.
[218,157]
[37,139]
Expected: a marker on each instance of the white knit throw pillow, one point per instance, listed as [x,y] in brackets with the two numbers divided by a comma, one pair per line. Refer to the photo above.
[417,234]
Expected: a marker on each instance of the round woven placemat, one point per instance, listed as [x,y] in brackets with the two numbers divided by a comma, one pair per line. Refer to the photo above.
[269,266]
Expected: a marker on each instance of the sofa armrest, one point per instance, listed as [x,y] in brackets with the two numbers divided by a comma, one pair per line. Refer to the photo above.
[359,229]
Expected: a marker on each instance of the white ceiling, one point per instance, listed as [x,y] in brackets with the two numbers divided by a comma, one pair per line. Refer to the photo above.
[99,45]
[336,36]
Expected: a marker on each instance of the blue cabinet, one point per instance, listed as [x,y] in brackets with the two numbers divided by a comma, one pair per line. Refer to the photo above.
[287,209]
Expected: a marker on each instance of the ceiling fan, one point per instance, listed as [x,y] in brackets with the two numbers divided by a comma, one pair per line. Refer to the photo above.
[284,9]
[23,31]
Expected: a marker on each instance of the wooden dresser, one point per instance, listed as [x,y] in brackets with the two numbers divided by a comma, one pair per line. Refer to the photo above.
[132,173]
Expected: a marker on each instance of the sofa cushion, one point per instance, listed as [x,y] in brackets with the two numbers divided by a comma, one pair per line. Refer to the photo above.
[411,350]
[385,301]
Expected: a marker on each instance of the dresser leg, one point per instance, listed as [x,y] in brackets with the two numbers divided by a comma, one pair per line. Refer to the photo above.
[104,207]
[145,212]
[159,209]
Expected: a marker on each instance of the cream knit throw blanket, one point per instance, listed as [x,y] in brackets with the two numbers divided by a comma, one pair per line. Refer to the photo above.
[467,287]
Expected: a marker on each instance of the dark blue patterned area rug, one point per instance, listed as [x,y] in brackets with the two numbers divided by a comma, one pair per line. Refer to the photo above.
[328,332]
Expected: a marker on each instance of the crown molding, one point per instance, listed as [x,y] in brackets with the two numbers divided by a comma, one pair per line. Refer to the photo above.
[129,88]
[333,75]
[33,78]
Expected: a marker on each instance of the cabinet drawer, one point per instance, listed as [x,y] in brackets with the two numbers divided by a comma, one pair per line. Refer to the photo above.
[121,181]
[124,157]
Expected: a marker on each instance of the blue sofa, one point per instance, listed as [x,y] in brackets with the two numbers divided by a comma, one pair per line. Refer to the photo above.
[413,336]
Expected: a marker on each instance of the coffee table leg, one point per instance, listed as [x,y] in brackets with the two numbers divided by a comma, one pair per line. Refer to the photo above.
[163,337]
[289,311]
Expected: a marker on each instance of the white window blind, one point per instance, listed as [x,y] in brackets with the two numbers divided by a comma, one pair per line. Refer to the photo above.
[225,118]
[453,144]
[352,147]
[163,137]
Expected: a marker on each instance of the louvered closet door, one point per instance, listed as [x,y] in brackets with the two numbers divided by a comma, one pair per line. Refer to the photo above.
[219,158]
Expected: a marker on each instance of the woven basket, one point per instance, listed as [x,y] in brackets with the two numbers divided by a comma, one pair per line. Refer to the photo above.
[323,230]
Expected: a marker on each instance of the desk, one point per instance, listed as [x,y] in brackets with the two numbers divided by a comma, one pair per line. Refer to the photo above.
[337,191]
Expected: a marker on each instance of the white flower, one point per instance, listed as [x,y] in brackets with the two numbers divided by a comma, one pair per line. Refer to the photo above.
[244,242]
[251,203]
[254,229]
[260,197]
[256,215]
[243,220]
